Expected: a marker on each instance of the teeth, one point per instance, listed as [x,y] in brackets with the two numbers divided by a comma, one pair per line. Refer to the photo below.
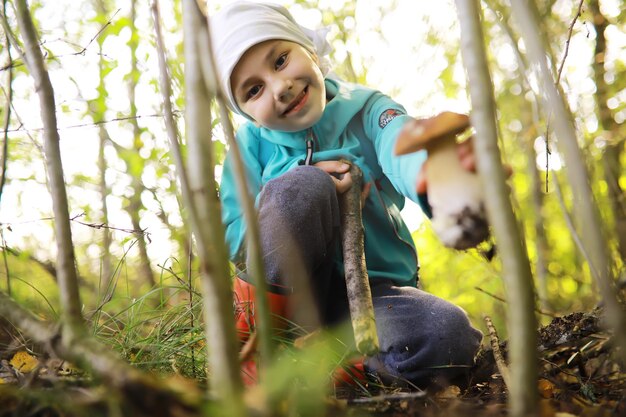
[296,101]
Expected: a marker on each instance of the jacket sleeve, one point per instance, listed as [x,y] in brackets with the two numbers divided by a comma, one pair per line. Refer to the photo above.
[383,119]
[232,211]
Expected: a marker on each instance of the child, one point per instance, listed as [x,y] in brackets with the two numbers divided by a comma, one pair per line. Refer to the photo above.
[301,125]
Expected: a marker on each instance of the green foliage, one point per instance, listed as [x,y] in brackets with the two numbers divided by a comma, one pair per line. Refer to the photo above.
[168,339]
[465,278]
[32,285]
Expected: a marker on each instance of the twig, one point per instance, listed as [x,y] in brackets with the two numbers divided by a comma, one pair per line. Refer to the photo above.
[96,123]
[142,232]
[400,396]
[21,124]
[249,348]
[74,219]
[108,23]
[497,354]
[82,51]
[99,226]
[502,300]
[569,38]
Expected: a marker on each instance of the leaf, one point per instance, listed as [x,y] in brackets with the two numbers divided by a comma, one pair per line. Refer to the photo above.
[546,388]
[448,393]
[24,362]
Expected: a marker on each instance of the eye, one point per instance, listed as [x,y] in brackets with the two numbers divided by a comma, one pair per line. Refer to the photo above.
[253,91]
[281,61]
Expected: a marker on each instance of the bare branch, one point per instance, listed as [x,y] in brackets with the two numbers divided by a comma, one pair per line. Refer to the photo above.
[357,282]
[96,123]
[497,354]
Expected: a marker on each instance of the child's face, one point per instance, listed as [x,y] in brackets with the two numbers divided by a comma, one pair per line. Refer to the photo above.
[279,85]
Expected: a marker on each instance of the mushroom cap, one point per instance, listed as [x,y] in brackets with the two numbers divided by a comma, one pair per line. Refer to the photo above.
[419,134]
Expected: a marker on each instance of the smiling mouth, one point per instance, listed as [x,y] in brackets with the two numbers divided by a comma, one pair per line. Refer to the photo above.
[297,102]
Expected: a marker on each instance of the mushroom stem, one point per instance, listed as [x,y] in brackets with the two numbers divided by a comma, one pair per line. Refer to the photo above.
[456,197]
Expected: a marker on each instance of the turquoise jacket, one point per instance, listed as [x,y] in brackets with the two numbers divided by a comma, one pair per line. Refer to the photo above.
[358,124]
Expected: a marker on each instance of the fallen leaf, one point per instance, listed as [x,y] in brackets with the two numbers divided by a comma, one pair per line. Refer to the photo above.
[23,362]
[546,388]
[450,392]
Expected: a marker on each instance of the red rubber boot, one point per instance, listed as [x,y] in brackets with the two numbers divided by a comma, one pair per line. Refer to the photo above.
[245,320]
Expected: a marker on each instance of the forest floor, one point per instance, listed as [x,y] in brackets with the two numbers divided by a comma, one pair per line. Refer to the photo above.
[578,376]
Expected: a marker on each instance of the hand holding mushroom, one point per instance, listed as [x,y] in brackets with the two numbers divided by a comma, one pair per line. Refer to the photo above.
[454,190]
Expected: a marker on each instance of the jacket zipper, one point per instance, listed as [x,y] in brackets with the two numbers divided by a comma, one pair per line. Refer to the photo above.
[310,138]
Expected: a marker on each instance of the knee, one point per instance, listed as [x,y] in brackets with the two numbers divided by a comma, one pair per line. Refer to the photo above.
[445,338]
[426,339]
[301,183]
[454,339]
[303,193]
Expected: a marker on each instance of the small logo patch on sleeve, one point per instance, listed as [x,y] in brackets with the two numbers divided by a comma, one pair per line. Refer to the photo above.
[387,116]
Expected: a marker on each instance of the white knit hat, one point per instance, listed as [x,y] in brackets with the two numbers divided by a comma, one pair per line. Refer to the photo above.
[242,24]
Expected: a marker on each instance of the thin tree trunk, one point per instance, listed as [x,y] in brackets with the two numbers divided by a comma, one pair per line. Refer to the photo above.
[5,142]
[256,266]
[522,323]
[174,138]
[614,144]
[584,203]
[66,267]
[106,272]
[7,112]
[542,248]
[205,215]
[135,205]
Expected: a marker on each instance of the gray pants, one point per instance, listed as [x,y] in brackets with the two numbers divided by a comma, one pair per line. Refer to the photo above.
[422,337]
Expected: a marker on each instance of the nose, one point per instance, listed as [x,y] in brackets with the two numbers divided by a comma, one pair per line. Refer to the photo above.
[282,88]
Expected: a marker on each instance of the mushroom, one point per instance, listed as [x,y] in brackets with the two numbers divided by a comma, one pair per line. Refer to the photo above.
[454,193]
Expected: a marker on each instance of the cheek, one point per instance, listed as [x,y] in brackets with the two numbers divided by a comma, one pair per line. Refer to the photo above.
[259,110]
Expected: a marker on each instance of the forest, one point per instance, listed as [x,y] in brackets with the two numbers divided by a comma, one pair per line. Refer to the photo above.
[115,284]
